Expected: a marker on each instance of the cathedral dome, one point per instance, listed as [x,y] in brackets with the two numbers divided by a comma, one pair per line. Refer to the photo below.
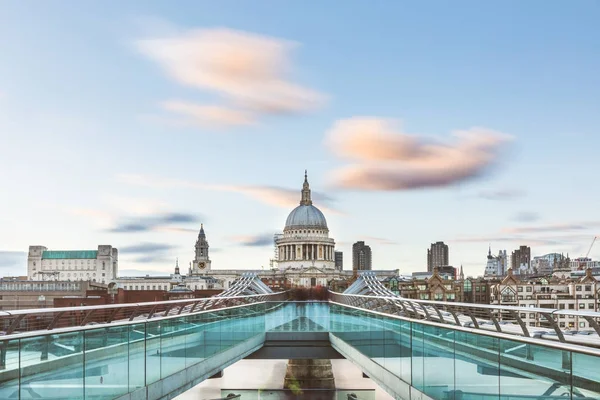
[305,215]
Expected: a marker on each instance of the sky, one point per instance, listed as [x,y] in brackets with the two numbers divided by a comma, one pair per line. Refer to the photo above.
[131,123]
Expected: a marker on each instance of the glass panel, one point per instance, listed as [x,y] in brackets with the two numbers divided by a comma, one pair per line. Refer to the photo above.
[52,366]
[392,346]
[106,362]
[477,369]
[194,348]
[212,334]
[153,364]
[438,362]
[417,356]
[586,376]
[9,369]
[137,356]
[532,370]
[172,346]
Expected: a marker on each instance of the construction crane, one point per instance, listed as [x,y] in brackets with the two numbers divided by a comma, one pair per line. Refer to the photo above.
[583,260]
[591,245]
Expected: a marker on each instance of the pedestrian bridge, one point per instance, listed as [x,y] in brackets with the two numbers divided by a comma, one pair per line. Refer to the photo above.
[159,350]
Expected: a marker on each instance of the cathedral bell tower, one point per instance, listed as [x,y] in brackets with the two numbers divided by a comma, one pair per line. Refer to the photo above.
[201,262]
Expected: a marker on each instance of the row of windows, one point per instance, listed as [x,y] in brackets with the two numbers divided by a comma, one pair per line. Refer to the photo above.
[50,286]
[529,289]
[162,287]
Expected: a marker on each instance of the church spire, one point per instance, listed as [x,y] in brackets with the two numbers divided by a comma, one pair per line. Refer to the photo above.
[306,200]
[201,234]
[177,266]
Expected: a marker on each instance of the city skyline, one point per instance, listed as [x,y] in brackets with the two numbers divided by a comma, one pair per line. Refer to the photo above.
[120,127]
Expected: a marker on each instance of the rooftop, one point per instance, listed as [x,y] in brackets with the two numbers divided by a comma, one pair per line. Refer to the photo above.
[69,254]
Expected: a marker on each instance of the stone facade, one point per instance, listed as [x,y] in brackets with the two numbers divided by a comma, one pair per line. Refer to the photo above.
[99,265]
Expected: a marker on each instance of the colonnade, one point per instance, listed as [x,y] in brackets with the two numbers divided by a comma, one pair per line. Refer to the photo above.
[310,251]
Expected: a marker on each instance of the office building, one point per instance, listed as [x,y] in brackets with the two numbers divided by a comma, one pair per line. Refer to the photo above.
[437,256]
[339,260]
[361,257]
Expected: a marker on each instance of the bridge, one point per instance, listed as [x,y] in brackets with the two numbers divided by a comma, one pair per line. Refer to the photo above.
[412,349]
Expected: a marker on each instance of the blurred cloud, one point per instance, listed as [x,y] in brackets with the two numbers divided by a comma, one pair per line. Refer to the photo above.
[501,194]
[10,259]
[385,158]
[147,252]
[553,227]
[248,70]
[557,235]
[379,240]
[262,240]
[271,195]
[145,248]
[13,263]
[526,216]
[152,223]
[209,115]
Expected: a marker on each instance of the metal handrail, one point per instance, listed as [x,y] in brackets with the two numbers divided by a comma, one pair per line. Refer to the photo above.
[585,349]
[480,316]
[53,319]
[594,314]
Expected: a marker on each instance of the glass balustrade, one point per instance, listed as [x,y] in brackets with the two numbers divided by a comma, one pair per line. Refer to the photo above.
[104,362]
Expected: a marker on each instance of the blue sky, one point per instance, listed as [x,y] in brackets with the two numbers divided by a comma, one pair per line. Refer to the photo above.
[130,123]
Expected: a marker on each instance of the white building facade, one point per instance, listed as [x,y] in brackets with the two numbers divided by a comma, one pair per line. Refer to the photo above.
[496,266]
[99,265]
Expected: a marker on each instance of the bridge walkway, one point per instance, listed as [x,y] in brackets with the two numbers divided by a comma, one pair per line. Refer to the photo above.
[409,358]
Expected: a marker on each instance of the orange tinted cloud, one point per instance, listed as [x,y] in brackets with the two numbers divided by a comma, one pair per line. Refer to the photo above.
[248,70]
[385,158]
[209,115]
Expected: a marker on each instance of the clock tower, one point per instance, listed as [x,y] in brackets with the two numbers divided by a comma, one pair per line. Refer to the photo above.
[201,261]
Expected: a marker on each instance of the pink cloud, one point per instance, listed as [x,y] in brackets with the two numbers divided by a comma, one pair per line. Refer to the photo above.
[270,195]
[209,115]
[248,70]
[385,158]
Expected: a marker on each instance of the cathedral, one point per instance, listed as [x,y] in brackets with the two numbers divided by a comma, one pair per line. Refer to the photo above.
[305,241]
[305,257]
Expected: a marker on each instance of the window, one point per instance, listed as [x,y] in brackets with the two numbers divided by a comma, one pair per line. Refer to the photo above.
[508,295]
[581,305]
[529,289]
[582,324]
[571,306]
[477,288]
[591,306]
[468,286]
[523,315]
[588,288]
[531,315]
[561,306]
[578,288]
[438,296]
[483,289]
[562,324]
